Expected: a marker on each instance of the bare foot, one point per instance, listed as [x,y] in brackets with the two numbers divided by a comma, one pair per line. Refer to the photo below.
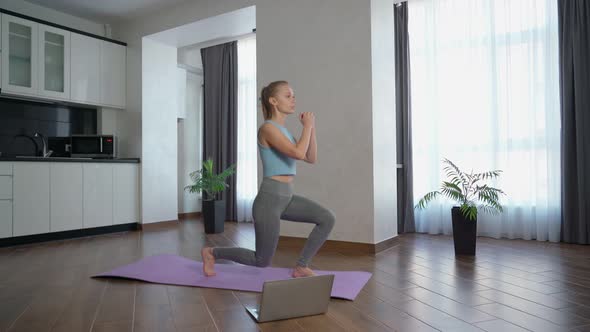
[301,271]
[208,262]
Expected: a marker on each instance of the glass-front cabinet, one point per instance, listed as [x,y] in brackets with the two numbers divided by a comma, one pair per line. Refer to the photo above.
[44,61]
[19,55]
[54,56]
[35,58]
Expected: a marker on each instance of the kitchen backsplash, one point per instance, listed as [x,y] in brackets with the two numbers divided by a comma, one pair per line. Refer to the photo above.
[18,117]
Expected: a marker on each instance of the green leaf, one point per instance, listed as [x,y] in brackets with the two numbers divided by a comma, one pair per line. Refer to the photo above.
[487,175]
[452,185]
[204,180]
[453,194]
[489,209]
[464,188]
[454,171]
[469,211]
[426,199]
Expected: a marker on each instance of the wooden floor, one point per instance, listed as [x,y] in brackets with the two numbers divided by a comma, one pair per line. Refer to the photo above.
[416,286]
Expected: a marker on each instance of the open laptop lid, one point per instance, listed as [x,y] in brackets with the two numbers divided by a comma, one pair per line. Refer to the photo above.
[297,297]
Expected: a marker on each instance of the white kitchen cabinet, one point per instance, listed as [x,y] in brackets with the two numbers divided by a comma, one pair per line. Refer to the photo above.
[67,186]
[5,186]
[19,56]
[46,62]
[5,200]
[5,218]
[126,193]
[5,168]
[54,62]
[98,195]
[31,198]
[112,74]
[45,197]
[5,180]
[85,69]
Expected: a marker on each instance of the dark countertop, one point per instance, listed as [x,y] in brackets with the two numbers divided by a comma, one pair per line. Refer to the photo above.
[72,160]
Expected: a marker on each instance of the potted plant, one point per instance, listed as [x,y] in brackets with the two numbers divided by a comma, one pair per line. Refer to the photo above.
[210,184]
[470,194]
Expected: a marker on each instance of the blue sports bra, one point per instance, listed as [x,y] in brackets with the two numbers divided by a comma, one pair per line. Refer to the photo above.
[275,162]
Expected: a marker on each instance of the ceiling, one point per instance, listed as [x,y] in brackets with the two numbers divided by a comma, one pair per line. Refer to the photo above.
[232,24]
[106,11]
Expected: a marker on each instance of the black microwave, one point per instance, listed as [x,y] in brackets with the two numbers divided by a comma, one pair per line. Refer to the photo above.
[93,146]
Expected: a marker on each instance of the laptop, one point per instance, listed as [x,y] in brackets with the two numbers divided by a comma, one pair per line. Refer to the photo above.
[297,297]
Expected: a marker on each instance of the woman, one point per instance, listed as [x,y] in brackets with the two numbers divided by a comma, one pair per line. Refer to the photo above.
[275,199]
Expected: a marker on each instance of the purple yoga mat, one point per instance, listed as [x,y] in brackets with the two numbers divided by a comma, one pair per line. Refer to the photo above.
[176,270]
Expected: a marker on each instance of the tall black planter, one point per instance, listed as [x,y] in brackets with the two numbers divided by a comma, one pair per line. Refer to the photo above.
[464,233]
[213,215]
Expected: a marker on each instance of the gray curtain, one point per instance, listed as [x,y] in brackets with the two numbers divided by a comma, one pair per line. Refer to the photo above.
[220,78]
[574,62]
[405,192]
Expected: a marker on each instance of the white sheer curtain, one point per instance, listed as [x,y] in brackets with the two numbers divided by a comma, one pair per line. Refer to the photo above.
[485,94]
[246,172]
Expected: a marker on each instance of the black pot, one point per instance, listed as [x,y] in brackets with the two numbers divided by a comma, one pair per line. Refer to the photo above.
[213,216]
[464,233]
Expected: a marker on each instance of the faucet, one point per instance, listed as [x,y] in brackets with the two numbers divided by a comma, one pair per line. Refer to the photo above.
[45,153]
[29,138]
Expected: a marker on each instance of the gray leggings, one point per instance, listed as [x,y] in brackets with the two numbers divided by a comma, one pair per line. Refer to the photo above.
[276,201]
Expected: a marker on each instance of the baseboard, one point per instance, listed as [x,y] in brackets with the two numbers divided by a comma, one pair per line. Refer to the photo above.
[386,244]
[46,237]
[158,225]
[190,215]
[340,246]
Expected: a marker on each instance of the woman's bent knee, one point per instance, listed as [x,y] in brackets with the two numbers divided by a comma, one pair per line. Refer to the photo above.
[328,220]
[263,261]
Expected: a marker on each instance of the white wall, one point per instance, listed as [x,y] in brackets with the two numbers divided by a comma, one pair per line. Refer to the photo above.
[325,54]
[190,56]
[190,144]
[126,126]
[132,33]
[106,121]
[174,16]
[159,189]
[231,24]
[128,134]
[383,102]
[53,16]
[324,49]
